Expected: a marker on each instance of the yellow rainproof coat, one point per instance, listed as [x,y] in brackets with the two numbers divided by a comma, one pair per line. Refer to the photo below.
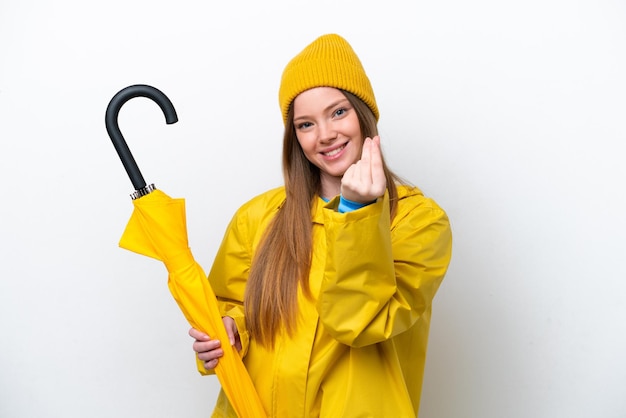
[360,346]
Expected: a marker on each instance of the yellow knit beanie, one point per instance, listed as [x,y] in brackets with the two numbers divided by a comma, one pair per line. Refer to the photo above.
[329,61]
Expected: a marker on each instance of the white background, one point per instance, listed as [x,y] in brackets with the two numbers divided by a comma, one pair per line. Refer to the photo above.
[510,114]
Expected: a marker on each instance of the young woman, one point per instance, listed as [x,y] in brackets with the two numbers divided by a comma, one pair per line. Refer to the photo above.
[326,284]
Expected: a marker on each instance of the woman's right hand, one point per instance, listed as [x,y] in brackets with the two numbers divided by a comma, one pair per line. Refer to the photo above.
[365,181]
[210,350]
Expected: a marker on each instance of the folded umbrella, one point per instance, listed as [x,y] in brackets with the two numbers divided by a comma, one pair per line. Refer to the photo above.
[157,228]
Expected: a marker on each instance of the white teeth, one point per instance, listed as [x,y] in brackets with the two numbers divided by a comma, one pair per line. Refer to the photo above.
[335,151]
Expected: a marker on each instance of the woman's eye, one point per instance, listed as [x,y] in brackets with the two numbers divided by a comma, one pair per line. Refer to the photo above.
[304,125]
[340,111]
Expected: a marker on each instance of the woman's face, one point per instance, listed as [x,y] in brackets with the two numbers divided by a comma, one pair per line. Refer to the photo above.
[328,130]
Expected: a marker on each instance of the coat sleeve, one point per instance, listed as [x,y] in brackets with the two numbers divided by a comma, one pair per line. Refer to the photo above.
[229,274]
[231,266]
[379,278]
[227,278]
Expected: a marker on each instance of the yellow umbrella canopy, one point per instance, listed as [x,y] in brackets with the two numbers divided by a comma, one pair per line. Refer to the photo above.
[157,228]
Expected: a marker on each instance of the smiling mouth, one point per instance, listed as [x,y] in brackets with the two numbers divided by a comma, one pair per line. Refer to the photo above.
[334,152]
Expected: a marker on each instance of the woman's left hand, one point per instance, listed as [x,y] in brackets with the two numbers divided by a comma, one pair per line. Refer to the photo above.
[364,181]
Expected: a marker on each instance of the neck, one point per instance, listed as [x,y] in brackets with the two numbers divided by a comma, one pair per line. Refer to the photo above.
[331,186]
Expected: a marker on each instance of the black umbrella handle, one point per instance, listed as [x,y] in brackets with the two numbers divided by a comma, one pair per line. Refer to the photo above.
[113,110]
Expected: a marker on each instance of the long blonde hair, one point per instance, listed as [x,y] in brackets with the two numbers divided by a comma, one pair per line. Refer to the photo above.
[283,259]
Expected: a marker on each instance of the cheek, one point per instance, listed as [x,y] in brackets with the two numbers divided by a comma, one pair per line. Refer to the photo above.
[306,142]
[357,131]
[352,128]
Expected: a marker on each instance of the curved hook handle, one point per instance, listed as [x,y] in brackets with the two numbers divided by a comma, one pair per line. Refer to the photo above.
[112,112]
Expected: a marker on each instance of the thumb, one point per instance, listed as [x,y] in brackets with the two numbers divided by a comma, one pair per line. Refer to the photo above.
[231,336]
[231,329]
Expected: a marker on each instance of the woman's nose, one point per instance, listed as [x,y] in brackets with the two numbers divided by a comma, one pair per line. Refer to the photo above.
[327,132]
